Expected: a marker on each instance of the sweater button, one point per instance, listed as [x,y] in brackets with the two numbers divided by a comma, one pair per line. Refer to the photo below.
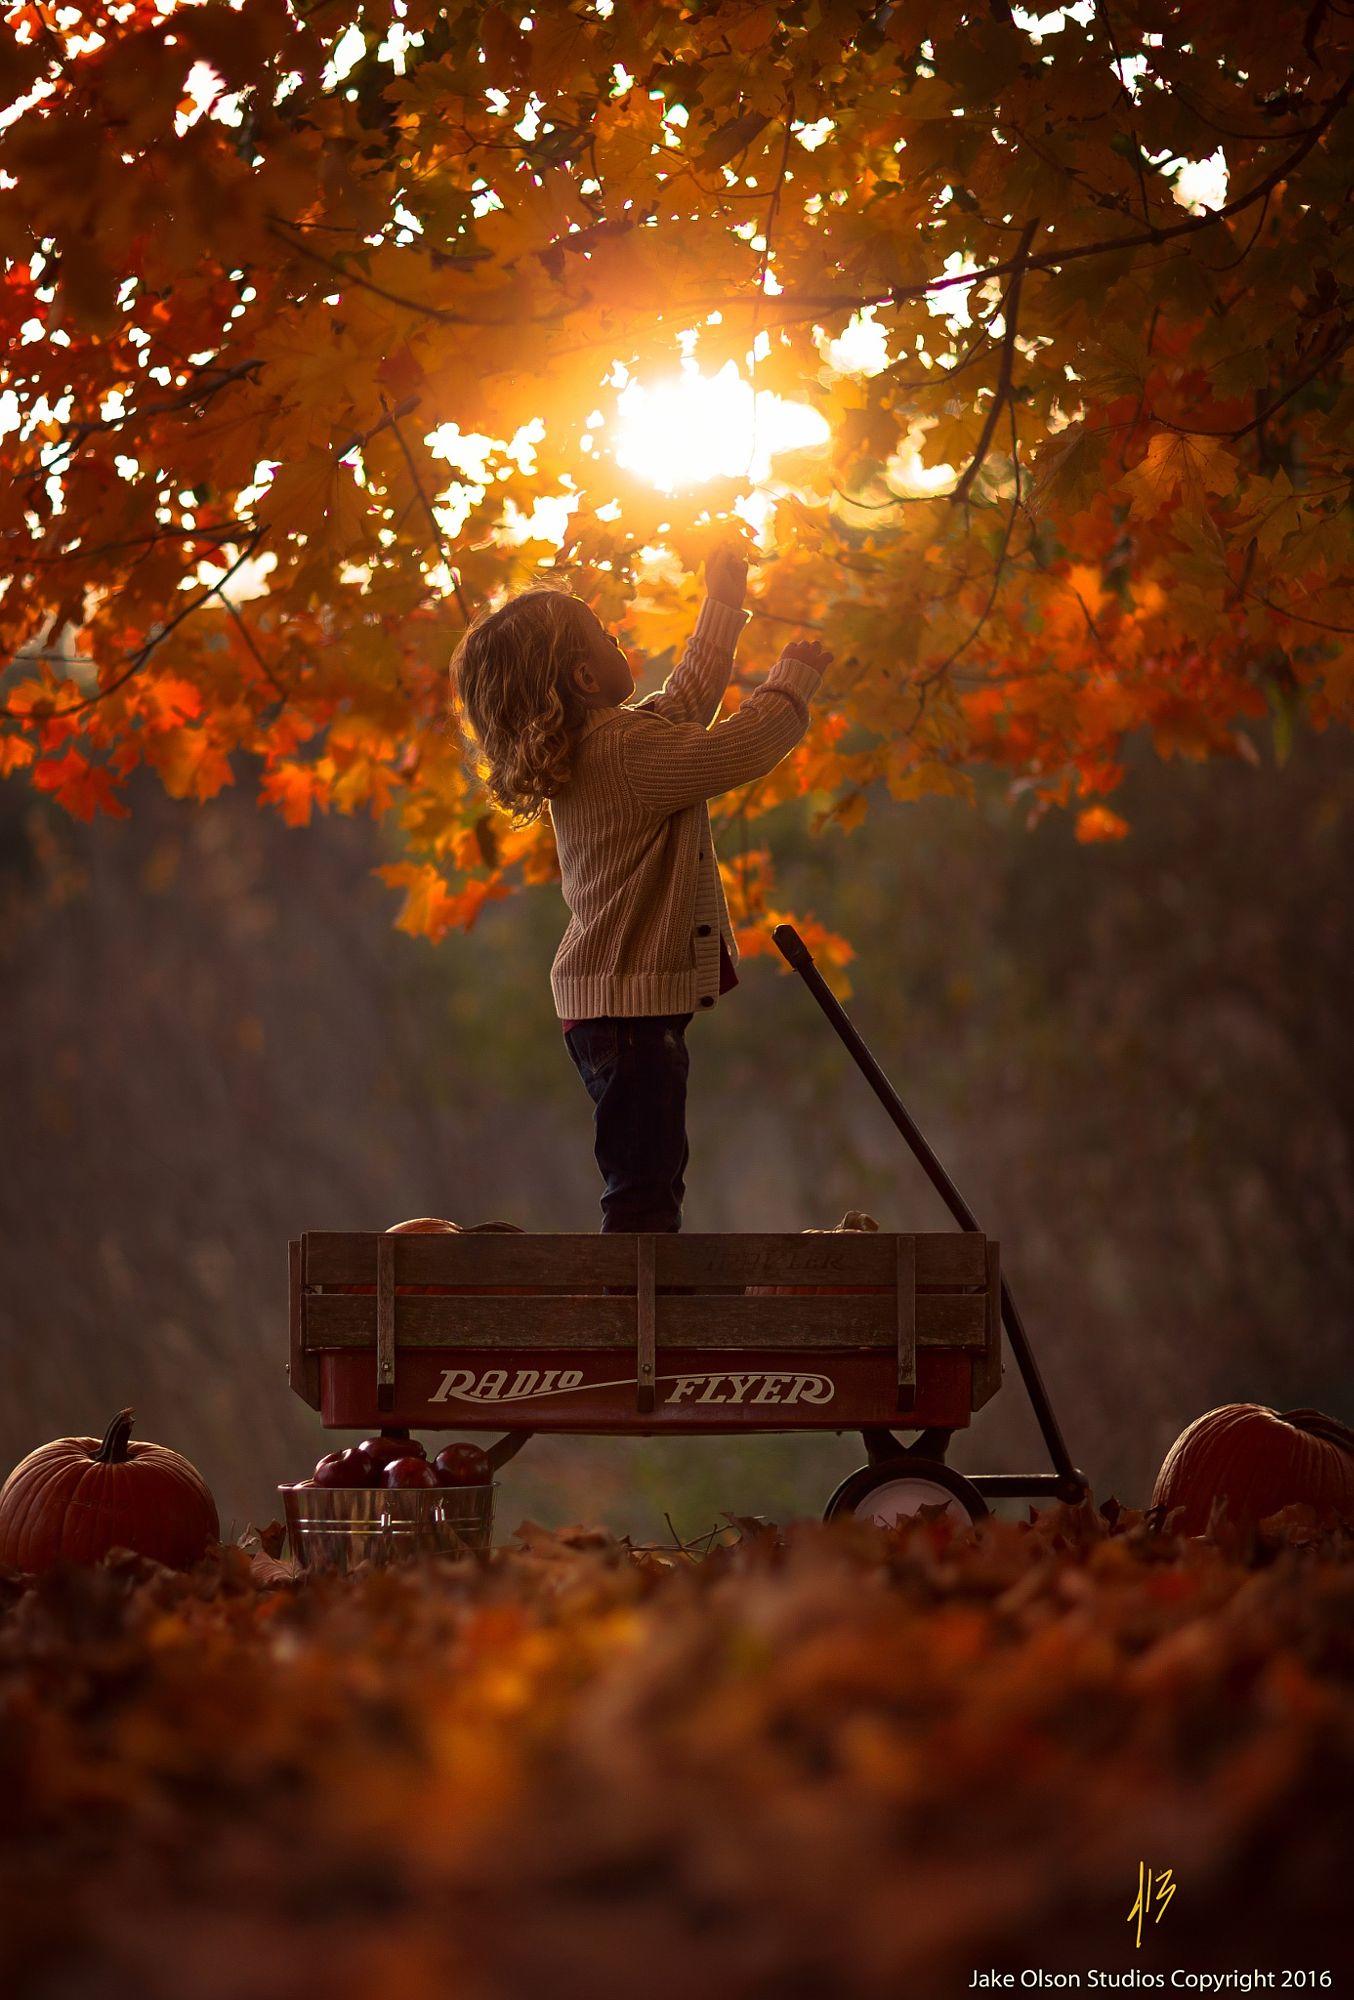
[707,999]
[702,930]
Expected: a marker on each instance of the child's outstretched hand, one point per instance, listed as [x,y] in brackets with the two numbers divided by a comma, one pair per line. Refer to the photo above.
[726,574]
[811,651]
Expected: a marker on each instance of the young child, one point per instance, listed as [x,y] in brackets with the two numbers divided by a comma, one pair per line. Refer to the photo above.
[546,691]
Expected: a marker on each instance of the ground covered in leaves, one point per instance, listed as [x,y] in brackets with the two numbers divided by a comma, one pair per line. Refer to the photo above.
[824,1761]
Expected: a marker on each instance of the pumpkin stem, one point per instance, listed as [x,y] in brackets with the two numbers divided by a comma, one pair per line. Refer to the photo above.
[1317,1424]
[113,1450]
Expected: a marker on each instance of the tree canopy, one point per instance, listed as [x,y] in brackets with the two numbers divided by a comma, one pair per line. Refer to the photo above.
[316,319]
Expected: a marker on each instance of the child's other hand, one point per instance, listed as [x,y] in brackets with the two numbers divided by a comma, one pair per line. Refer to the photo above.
[811,651]
[726,574]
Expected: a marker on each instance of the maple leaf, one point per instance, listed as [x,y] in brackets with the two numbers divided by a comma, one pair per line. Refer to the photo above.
[1180,471]
[845,813]
[81,787]
[1276,515]
[430,908]
[319,497]
[401,373]
[1096,823]
[1069,469]
[16,753]
[191,764]
[166,702]
[1088,586]
[828,947]
[295,789]
[731,139]
[235,45]
[928,777]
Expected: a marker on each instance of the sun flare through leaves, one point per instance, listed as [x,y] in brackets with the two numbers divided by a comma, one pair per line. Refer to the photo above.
[690,428]
[1019,346]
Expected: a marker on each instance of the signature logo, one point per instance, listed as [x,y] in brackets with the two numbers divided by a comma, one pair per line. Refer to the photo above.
[532,1385]
[1162,1885]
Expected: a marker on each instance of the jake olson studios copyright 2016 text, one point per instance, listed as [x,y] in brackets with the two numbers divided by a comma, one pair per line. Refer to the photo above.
[1252,1980]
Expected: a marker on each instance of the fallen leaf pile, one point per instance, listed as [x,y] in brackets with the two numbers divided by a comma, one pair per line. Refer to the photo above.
[817,1761]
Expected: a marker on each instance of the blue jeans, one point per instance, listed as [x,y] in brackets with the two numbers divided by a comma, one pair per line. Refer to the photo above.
[634,1068]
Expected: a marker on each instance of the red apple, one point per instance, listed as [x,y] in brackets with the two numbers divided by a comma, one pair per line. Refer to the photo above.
[410,1472]
[462,1465]
[390,1445]
[346,1468]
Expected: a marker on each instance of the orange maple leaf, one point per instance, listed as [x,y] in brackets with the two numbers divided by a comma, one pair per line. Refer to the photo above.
[295,789]
[1180,469]
[1097,823]
[15,753]
[81,787]
[430,908]
[191,764]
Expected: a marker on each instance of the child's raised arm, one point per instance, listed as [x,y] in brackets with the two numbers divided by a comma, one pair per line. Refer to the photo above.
[670,765]
[694,689]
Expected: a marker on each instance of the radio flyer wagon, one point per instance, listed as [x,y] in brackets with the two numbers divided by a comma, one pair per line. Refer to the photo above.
[650,1334]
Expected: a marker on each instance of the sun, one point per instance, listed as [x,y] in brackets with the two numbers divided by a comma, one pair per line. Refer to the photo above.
[692,427]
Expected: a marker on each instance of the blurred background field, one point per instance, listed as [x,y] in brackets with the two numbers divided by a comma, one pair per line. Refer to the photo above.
[1136,1060]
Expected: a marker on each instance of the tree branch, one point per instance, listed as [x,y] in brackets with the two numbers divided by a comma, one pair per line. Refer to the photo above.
[138,659]
[1001,394]
[74,435]
[763,265]
[256,650]
[926,681]
[1301,618]
[433,521]
[1055,258]
[1103,11]
[441,314]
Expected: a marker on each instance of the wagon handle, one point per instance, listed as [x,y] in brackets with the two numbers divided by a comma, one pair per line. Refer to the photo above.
[1073,1485]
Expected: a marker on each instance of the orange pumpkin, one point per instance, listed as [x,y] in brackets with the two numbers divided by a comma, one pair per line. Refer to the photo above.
[76,1499]
[854,1218]
[438,1225]
[420,1225]
[1255,1461]
[491,1291]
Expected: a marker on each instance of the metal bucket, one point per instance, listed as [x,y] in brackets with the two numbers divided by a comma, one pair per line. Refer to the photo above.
[337,1527]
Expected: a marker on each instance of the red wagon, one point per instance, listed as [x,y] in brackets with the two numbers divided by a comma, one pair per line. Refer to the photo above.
[655,1335]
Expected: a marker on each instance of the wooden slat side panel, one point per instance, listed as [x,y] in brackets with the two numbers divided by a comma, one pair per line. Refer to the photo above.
[646,1326]
[987,1366]
[337,1319]
[348,1258]
[859,1257]
[385,1322]
[943,1319]
[906,1312]
[303,1370]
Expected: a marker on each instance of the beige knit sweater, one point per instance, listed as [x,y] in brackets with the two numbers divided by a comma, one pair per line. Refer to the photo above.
[632,828]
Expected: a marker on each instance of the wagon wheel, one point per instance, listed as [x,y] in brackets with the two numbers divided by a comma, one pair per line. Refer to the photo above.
[897,1489]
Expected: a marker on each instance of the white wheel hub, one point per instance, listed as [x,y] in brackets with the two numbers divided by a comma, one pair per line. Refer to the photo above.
[900,1499]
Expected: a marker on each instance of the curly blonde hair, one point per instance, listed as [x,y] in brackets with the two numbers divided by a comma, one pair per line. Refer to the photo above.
[510,684]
